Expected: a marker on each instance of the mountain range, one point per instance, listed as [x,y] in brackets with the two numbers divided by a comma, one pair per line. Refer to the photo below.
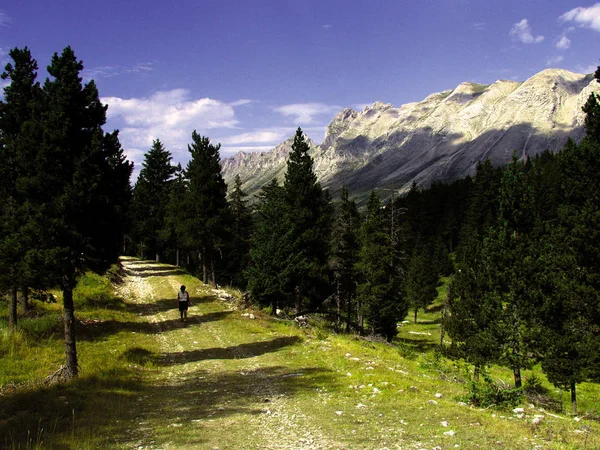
[438,139]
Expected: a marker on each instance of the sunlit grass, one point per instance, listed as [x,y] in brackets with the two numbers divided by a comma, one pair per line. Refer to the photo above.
[233,381]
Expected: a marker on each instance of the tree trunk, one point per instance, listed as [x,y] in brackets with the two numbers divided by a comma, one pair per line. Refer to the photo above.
[359,317]
[72,369]
[476,374]
[212,271]
[204,275]
[517,374]
[177,258]
[416,311]
[298,299]
[25,300]
[274,306]
[573,398]
[12,309]
[339,307]
[349,309]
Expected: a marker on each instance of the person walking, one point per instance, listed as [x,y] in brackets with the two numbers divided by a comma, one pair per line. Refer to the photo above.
[183,298]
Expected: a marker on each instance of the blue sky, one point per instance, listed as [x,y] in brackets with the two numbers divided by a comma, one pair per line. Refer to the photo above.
[246,73]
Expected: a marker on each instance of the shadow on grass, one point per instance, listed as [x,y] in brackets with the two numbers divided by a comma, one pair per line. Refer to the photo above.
[241,351]
[418,345]
[99,330]
[166,304]
[118,408]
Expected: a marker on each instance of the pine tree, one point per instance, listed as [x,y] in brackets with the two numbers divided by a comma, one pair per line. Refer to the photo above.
[150,196]
[510,253]
[471,321]
[482,213]
[421,279]
[379,290]
[206,205]
[592,111]
[568,278]
[309,211]
[240,225]
[173,231]
[274,259]
[344,255]
[18,129]
[65,185]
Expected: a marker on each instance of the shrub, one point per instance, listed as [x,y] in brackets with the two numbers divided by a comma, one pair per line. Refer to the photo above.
[488,393]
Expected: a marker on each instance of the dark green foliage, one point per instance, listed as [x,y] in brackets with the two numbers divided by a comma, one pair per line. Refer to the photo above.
[309,213]
[482,212]
[19,122]
[421,279]
[66,183]
[173,232]
[150,198]
[471,323]
[489,393]
[344,256]
[569,279]
[378,291]
[240,228]
[273,255]
[592,111]
[205,207]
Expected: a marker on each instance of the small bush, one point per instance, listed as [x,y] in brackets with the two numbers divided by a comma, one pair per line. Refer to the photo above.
[488,393]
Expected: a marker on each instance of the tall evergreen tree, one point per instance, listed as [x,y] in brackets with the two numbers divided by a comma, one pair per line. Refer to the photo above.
[379,289]
[344,255]
[309,211]
[510,253]
[421,279]
[240,225]
[274,259]
[206,205]
[592,111]
[18,130]
[569,273]
[65,186]
[150,196]
[174,225]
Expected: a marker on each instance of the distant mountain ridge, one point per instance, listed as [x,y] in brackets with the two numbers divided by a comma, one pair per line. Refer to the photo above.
[440,138]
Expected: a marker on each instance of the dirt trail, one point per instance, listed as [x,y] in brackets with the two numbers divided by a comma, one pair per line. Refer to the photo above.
[218,382]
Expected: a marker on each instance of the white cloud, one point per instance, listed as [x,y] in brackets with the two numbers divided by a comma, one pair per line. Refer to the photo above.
[563,43]
[170,116]
[303,113]
[584,17]
[521,31]
[587,69]
[257,137]
[5,20]
[95,73]
[242,102]
[327,26]
[480,26]
[555,60]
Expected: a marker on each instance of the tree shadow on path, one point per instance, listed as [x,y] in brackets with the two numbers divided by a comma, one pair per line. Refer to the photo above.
[241,351]
[99,330]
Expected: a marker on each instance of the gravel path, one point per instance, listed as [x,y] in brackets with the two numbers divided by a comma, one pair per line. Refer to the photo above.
[270,418]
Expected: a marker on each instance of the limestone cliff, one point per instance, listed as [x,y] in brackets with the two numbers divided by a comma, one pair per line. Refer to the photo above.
[440,138]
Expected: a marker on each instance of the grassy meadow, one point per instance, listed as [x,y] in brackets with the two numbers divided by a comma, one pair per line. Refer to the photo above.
[238,378]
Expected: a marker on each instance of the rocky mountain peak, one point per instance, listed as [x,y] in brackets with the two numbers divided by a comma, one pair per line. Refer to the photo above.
[439,138]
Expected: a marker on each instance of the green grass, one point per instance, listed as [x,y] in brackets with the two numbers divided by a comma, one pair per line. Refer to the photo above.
[228,381]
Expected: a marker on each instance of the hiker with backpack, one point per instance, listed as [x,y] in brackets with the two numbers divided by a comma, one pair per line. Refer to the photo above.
[183,298]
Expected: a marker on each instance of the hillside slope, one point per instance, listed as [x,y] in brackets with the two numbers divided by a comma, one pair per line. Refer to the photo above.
[231,379]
